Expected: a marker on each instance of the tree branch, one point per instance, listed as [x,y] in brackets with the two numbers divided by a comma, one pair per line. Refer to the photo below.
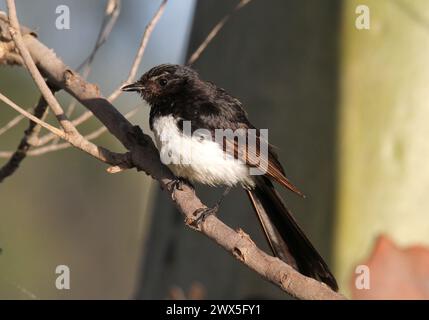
[61,146]
[111,14]
[12,123]
[141,50]
[26,142]
[145,156]
[102,155]
[133,70]
[70,132]
[33,118]
[15,32]
[213,33]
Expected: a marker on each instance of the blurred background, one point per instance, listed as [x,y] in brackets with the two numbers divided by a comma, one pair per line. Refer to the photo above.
[345,105]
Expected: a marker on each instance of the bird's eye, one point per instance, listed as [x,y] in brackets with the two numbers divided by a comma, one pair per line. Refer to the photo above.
[163,82]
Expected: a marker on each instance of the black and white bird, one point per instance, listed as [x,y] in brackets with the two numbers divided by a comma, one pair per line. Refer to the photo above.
[178,97]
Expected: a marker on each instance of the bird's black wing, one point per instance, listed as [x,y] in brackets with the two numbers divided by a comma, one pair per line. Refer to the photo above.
[226,112]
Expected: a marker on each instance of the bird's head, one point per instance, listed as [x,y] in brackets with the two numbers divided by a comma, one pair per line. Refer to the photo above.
[162,83]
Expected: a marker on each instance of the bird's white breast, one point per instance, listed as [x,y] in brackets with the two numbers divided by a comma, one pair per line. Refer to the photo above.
[196,159]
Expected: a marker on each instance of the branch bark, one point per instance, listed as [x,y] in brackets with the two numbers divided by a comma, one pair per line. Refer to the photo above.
[144,156]
[213,33]
[70,132]
[133,70]
[26,142]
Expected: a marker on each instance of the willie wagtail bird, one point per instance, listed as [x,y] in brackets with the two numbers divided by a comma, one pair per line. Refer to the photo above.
[176,96]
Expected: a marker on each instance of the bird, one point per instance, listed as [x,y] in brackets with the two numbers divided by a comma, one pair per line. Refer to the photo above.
[186,115]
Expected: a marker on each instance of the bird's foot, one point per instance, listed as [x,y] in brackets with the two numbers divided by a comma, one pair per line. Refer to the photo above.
[202,214]
[177,184]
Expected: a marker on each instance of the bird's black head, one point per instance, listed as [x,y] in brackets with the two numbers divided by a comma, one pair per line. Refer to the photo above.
[162,83]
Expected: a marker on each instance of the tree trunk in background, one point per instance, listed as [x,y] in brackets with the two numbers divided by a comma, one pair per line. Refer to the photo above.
[384,150]
[280,59]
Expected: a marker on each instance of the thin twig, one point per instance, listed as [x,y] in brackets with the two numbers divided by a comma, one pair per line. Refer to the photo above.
[111,14]
[6,154]
[213,33]
[133,70]
[12,123]
[49,136]
[61,146]
[70,132]
[34,72]
[25,113]
[101,153]
[40,111]
[141,50]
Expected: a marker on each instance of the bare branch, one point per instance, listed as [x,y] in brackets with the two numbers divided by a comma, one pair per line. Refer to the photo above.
[100,153]
[61,146]
[6,154]
[12,123]
[28,115]
[70,132]
[111,14]
[40,110]
[141,50]
[213,33]
[76,122]
[133,70]
[34,72]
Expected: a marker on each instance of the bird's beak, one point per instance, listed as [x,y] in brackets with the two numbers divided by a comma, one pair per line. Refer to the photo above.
[133,87]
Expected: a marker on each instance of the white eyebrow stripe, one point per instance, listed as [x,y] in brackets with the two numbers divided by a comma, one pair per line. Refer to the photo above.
[158,76]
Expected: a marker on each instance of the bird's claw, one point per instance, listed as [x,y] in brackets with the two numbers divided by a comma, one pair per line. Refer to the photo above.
[202,214]
[176,184]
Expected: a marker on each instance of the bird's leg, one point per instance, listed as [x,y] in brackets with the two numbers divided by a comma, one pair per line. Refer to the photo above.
[203,213]
[177,184]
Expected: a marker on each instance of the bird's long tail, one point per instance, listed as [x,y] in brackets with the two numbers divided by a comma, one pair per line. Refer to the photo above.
[286,238]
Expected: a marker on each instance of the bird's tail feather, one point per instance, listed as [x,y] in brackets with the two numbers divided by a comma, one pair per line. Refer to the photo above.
[285,237]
